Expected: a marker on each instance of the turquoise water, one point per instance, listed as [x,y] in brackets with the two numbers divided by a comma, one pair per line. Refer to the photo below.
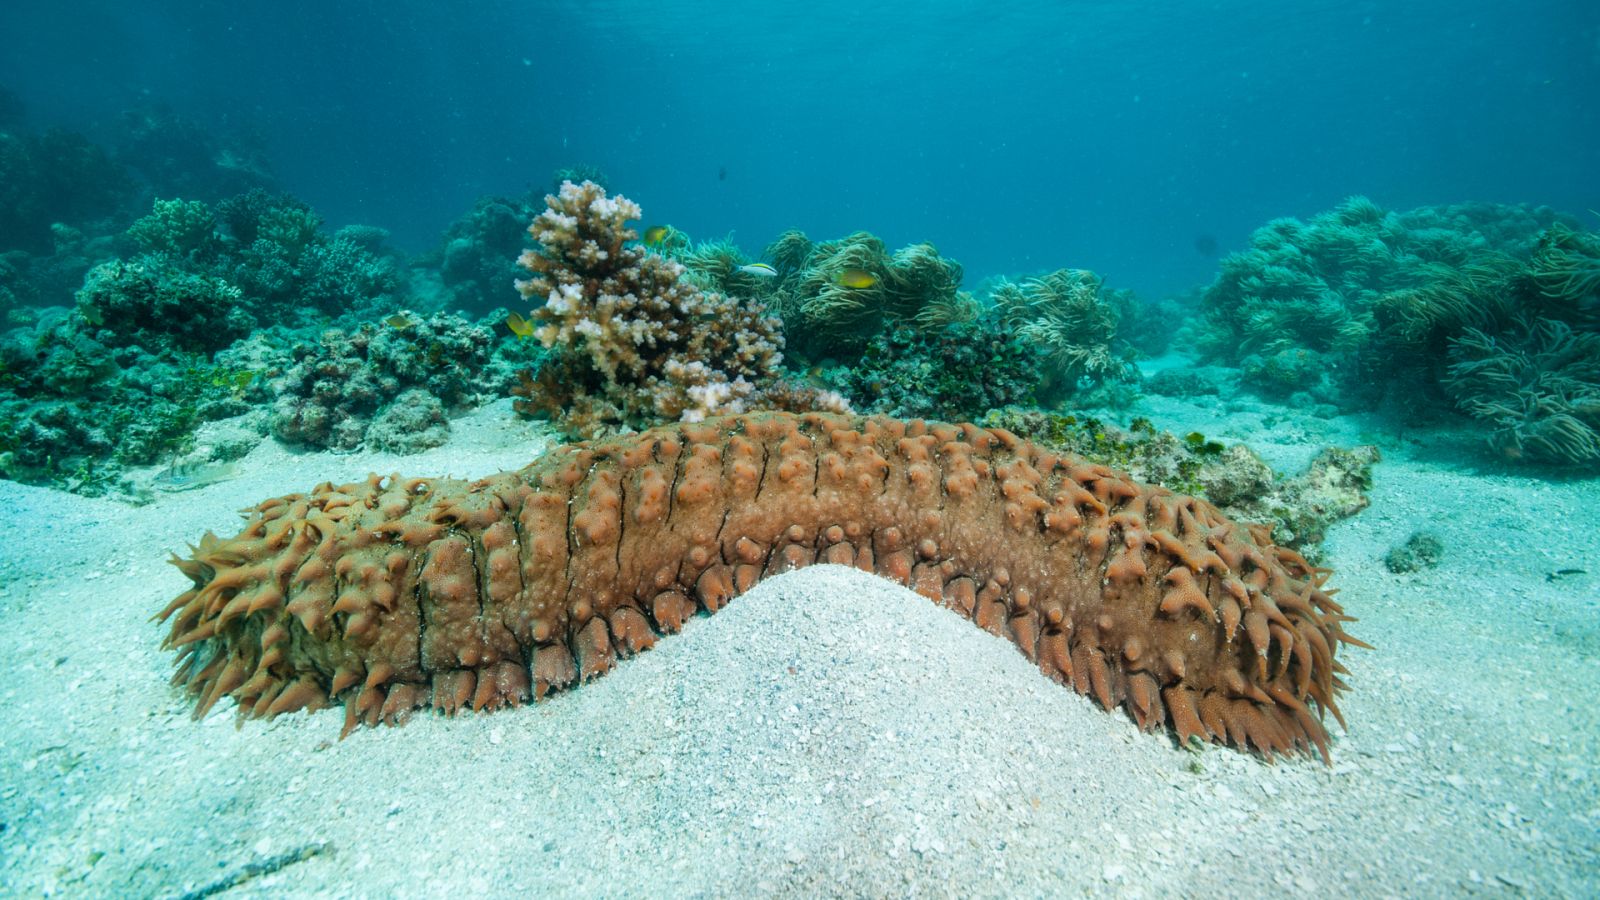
[1017,137]
[1333,267]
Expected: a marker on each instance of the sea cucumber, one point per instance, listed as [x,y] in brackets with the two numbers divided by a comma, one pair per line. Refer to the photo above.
[397,593]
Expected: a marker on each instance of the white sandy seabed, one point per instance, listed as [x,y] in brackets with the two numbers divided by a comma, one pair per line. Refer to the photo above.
[828,733]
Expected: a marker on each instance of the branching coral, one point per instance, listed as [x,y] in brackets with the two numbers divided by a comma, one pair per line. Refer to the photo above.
[636,342]
[186,229]
[1538,386]
[1066,316]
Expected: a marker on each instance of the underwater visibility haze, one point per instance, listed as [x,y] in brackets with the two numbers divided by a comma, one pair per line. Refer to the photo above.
[1226,374]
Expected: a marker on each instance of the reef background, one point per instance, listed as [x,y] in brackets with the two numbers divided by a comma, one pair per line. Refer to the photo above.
[1119,137]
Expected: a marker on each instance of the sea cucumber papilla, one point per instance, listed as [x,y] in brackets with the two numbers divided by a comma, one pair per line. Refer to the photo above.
[395,593]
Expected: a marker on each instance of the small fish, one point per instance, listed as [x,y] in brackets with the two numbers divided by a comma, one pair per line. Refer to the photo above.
[519,326]
[1561,573]
[855,279]
[92,315]
[399,322]
[656,235]
[761,269]
[188,476]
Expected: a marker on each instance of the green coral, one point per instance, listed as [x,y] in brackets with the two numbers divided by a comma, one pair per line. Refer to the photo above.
[181,228]
[1357,279]
[1069,317]
[957,372]
[151,303]
[1538,387]
[827,318]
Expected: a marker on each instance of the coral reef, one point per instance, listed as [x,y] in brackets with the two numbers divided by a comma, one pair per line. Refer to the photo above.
[1066,315]
[294,272]
[54,177]
[634,342]
[175,156]
[371,384]
[960,370]
[1492,309]
[477,259]
[74,410]
[1360,280]
[398,593]
[833,319]
[1538,387]
[152,304]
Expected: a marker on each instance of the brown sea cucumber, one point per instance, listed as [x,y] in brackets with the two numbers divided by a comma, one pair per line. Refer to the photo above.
[395,593]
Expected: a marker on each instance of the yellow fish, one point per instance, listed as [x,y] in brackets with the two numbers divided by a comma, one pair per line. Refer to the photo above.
[519,326]
[761,269]
[399,321]
[656,235]
[855,279]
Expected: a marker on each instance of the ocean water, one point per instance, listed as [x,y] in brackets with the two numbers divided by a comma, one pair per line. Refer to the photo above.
[1017,137]
[1332,268]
